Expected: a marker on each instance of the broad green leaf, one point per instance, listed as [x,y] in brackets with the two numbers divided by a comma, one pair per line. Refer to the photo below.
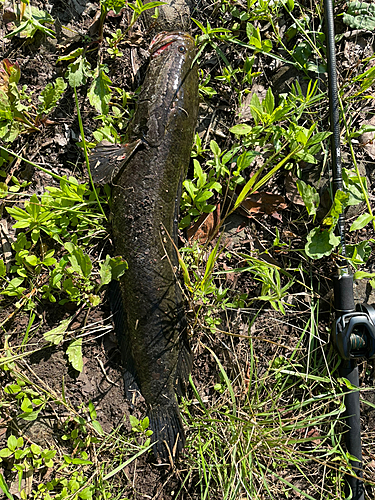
[360,253]
[309,195]
[353,186]
[320,243]
[94,300]
[363,274]
[79,261]
[26,405]
[338,206]
[50,95]
[115,5]
[3,190]
[12,442]
[49,454]
[56,335]
[241,129]
[198,172]
[74,353]
[105,271]
[97,427]
[5,108]
[269,102]
[301,136]
[35,449]
[256,108]
[32,260]
[150,5]
[100,93]
[360,15]
[134,422]
[30,416]
[18,213]
[14,289]
[3,269]
[118,267]
[12,389]
[318,138]
[361,222]
[206,195]
[78,71]
[6,452]
[215,148]
[35,233]
[289,4]
[207,208]
[73,55]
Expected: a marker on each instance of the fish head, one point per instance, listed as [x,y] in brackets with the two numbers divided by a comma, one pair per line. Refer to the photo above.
[179,44]
[167,85]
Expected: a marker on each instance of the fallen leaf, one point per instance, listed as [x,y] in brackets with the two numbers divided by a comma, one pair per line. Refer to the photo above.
[204,227]
[291,190]
[367,139]
[263,203]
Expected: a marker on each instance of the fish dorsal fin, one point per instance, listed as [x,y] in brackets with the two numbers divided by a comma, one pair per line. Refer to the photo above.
[107,160]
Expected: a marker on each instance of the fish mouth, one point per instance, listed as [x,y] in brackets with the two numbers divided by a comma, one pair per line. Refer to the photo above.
[165,38]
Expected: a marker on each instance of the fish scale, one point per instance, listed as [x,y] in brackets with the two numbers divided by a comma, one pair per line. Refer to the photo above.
[147,178]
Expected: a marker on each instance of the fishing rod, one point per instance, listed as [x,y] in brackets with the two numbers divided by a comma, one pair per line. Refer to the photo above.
[353,332]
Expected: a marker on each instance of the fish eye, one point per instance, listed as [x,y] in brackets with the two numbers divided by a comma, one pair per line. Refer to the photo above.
[182,49]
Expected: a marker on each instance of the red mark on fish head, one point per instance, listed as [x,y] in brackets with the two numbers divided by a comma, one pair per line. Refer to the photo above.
[161,49]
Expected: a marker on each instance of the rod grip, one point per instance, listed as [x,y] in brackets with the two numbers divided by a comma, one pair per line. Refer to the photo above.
[343,292]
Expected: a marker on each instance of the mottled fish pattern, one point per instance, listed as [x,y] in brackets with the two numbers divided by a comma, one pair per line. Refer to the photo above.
[146,175]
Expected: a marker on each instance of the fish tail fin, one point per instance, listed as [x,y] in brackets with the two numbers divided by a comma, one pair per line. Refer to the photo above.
[119,319]
[168,431]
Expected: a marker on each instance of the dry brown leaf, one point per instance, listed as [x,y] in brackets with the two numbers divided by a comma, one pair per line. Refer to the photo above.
[263,203]
[204,227]
[367,139]
[291,190]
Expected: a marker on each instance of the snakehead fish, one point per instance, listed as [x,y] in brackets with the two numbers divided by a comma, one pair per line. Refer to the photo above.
[146,175]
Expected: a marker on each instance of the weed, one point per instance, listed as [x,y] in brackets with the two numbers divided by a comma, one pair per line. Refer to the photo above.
[43,473]
[113,42]
[30,20]
[18,115]
[66,217]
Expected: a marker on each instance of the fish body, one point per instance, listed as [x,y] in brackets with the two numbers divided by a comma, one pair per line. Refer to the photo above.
[145,204]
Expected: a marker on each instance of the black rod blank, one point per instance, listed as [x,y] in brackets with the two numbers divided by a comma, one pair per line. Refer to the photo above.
[344,301]
[334,112]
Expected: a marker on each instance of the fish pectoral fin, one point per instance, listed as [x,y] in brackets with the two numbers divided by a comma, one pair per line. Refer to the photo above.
[107,160]
[168,431]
